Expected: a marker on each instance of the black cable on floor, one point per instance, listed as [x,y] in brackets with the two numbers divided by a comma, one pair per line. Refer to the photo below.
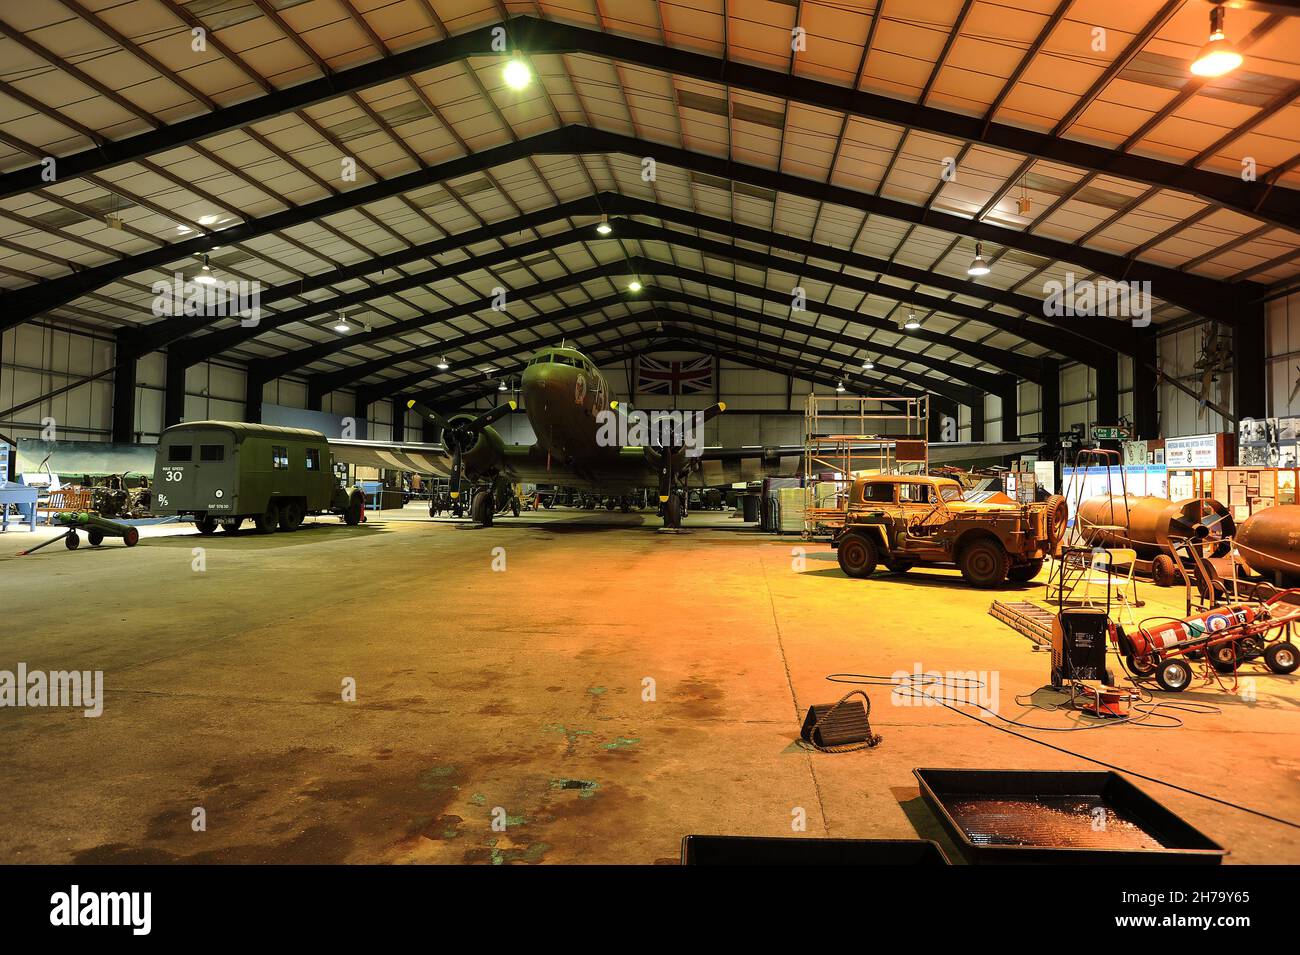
[869,679]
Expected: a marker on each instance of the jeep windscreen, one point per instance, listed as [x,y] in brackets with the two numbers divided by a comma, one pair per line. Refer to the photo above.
[950,494]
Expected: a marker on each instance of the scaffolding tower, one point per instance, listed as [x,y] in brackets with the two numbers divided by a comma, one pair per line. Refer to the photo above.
[847,436]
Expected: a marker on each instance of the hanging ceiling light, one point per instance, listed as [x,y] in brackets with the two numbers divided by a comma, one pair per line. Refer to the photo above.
[977,265]
[634,285]
[1218,56]
[517,74]
[341,326]
[205,276]
[604,228]
[442,363]
[868,364]
[502,385]
[839,387]
[912,323]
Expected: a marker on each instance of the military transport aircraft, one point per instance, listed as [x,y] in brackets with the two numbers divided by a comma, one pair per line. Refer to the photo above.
[573,414]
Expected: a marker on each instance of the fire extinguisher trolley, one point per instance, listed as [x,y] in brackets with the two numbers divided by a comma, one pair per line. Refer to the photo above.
[1225,637]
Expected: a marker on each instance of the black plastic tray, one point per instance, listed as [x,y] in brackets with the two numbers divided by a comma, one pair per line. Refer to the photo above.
[792,850]
[1014,816]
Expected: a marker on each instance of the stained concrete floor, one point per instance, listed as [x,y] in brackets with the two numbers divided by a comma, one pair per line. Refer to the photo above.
[519,694]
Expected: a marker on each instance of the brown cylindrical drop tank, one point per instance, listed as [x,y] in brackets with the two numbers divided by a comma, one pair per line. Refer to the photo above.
[1269,541]
[1148,522]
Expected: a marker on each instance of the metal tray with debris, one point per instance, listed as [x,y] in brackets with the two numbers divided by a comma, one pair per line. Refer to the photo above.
[1014,816]
[792,850]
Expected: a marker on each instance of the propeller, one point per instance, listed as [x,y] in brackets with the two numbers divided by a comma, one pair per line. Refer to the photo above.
[460,434]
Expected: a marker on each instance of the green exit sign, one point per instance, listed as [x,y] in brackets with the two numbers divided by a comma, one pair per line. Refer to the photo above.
[1109,433]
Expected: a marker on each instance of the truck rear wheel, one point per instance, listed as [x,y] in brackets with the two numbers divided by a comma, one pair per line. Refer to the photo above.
[268,522]
[291,516]
[984,563]
[857,555]
[206,524]
[1023,573]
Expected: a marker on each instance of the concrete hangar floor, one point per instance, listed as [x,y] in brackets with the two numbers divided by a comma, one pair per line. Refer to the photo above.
[521,691]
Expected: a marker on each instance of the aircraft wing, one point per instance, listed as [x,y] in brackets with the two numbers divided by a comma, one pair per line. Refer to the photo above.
[427,459]
[730,465]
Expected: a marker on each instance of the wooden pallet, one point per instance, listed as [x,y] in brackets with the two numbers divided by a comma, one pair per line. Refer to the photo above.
[1033,621]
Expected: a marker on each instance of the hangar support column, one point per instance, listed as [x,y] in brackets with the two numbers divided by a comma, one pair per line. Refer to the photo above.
[1249,390]
[1049,402]
[124,381]
[1107,401]
[174,387]
[398,416]
[1146,409]
[1009,395]
[940,408]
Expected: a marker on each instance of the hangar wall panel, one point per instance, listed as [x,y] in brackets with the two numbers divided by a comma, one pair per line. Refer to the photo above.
[34,360]
[1283,350]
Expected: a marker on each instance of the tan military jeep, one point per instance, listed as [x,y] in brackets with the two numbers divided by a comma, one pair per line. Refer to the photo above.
[906,520]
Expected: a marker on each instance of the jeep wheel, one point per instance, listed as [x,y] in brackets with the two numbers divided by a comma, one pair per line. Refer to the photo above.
[1023,573]
[857,555]
[984,563]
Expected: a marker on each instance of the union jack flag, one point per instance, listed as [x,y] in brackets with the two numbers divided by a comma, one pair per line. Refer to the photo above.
[691,376]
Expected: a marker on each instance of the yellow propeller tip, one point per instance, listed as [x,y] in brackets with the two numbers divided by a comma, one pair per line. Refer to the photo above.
[410,403]
[513,405]
[663,498]
[613,405]
[455,494]
[722,406]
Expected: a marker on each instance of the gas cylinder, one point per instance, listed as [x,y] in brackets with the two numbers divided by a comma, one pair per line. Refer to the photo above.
[1168,634]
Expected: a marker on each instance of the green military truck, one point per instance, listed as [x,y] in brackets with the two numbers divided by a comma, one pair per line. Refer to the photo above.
[222,473]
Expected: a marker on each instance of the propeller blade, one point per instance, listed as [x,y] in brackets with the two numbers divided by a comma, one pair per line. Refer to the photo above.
[496,414]
[429,413]
[713,411]
[455,472]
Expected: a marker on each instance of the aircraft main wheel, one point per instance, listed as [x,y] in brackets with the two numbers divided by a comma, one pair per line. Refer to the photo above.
[480,509]
[268,522]
[1281,658]
[1164,573]
[857,555]
[984,564]
[1173,675]
[673,511]
[206,525]
[1023,573]
[900,566]
[514,506]
[72,541]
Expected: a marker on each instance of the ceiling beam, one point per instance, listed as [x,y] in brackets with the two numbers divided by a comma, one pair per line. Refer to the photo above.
[535,37]
[1209,297]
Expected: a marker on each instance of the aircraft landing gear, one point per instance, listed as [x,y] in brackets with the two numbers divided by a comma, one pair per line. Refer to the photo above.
[482,508]
[673,512]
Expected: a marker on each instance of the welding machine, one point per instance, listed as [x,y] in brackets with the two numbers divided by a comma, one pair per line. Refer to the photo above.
[1079,637]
